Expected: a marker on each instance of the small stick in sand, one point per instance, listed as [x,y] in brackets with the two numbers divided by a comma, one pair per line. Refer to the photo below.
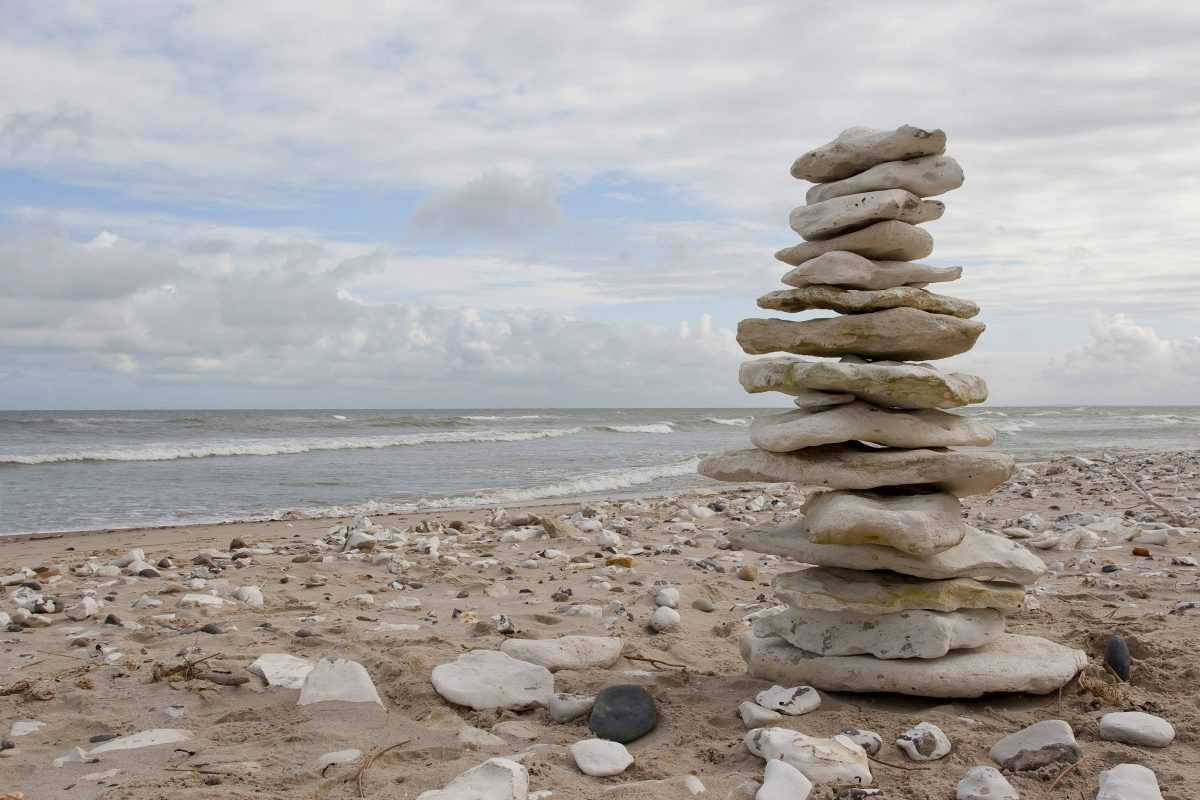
[1146,496]
[1062,775]
[367,765]
[896,766]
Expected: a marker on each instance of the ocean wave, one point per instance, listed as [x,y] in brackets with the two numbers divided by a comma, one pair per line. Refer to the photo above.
[1013,427]
[657,427]
[739,422]
[490,418]
[269,447]
[592,483]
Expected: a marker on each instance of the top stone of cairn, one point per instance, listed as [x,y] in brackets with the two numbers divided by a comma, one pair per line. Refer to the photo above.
[859,149]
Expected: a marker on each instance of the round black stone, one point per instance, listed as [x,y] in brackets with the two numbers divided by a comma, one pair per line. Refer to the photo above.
[211,627]
[1109,568]
[1116,656]
[112,619]
[623,713]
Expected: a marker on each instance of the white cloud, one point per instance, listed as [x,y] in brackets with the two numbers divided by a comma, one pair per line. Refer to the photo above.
[495,204]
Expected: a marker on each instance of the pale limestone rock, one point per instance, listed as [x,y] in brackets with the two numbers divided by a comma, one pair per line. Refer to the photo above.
[340,680]
[489,679]
[600,757]
[804,398]
[281,669]
[858,149]
[1136,727]
[856,301]
[852,271]
[883,384]
[927,176]
[924,742]
[565,707]
[864,422]
[782,781]
[832,217]
[793,701]
[985,783]
[979,555]
[134,741]
[833,589]
[1011,663]
[858,466]
[896,333]
[906,634]
[566,652]
[1129,782]
[917,524]
[494,779]
[755,716]
[1041,744]
[890,240]
[837,760]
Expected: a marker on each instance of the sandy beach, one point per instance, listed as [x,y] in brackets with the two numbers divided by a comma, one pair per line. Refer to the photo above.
[147,657]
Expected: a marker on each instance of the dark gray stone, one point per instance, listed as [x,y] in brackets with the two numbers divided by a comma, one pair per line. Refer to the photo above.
[623,713]
[1116,656]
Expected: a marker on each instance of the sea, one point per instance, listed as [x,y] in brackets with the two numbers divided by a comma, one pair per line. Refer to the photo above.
[91,470]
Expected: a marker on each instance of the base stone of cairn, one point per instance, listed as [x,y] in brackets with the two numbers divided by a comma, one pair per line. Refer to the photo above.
[900,594]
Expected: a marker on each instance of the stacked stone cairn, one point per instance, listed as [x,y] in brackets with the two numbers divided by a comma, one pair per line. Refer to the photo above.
[902,595]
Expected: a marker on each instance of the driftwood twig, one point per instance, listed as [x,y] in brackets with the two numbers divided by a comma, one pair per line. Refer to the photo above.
[367,765]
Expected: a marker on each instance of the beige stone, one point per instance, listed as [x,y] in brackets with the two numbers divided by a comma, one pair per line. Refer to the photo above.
[917,524]
[927,176]
[882,592]
[890,240]
[842,214]
[889,384]
[903,334]
[805,398]
[1010,663]
[906,634]
[855,301]
[858,466]
[978,555]
[864,422]
[852,271]
[859,149]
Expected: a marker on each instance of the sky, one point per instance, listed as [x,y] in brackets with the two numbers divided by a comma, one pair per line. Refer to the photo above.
[527,204]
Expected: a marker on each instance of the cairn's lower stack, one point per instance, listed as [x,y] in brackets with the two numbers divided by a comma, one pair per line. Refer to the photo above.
[905,597]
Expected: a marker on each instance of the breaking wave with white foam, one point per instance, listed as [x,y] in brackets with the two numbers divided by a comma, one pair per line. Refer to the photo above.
[657,427]
[739,422]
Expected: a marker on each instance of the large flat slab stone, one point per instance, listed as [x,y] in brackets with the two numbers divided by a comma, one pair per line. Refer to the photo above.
[1010,663]
[566,652]
[886,384]
[978,555]
[916,524]
[843,214]
[857,466]
[927,176]
[338,680]
[865,422]
[852,271]
[882,592]
[890,240]
[903,334]
[488,679]
[906,634]
[855,301]
[858,149]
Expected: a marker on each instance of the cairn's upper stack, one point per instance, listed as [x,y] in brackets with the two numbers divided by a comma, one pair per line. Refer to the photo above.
[905,597]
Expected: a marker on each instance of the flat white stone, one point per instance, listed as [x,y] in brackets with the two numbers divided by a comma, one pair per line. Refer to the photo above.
[321,762]
[566,652]
[782,781]
[864,422]
[600,757]
[1129,782]
[281,669]
[1041,744]
[892,385]
[667,596]
[24,727]
[830,217]
[927,176]
[833,589]
[978,555]
[1136,727]
[755,716]
[924,742]
[846,270]
[1012,663]
[338,680]
[250,595]
[87,607]
[867,740]
[985,783]
[837,760]
[921,524]
[664,619]
[565,707]
[859,466]
[403,603]
[150,738]
[894,333]
[806,398]
[858,149]
[861,301]
[76,756]
[487,679]
[793,701]
[890,240]
[907,634]
[198,600]
[494,779]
